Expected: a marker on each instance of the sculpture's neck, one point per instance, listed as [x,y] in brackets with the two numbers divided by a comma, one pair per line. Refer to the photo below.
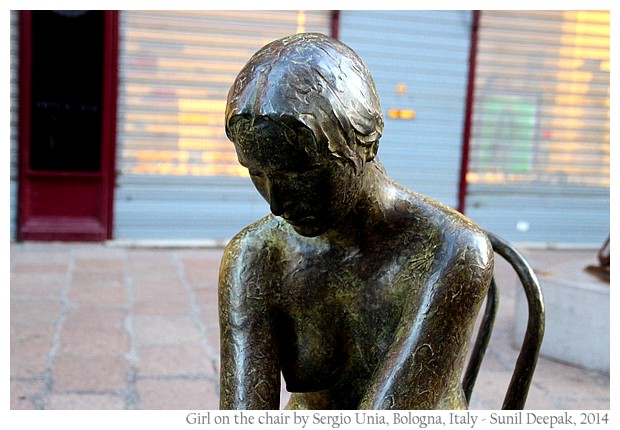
[367,216]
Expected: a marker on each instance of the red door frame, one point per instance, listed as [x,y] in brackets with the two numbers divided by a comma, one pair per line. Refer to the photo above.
[48,207]
[335,24]
[469,111]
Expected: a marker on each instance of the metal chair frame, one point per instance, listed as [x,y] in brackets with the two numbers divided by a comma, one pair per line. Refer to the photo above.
[519,386]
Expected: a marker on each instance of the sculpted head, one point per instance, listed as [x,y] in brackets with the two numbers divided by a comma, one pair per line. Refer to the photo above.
[304,115]
[316,81]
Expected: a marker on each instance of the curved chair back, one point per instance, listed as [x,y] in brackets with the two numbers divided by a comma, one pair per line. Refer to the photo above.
[532,340]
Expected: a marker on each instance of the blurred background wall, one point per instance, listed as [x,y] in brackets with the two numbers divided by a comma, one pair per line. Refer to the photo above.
[501,114]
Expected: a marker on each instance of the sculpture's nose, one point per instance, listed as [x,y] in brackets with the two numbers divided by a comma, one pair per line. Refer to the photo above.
[276,197]
[276,207]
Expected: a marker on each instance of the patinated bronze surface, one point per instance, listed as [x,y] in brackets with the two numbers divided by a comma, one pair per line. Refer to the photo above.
[361,292]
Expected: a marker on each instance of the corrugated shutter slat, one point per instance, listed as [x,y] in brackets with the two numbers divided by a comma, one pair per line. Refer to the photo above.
[424,53]
[175,161]
[541,121]
[14,120]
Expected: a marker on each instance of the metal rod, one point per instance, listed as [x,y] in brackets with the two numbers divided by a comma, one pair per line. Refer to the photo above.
[518,388]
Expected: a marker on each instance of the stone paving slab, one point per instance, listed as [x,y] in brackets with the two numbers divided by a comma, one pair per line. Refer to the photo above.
[100,326]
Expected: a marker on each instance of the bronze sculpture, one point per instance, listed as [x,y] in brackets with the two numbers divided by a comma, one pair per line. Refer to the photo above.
[362,293]
[603,269]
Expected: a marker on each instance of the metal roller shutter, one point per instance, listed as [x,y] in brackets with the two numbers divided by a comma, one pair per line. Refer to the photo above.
[539,160]
[419,60]
[179,178]
[14,120]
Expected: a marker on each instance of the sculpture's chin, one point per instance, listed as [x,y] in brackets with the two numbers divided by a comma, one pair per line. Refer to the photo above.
[308,230]
[308,227]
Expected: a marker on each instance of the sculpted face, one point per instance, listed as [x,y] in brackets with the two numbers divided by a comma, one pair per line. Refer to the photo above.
[309,189]
[305,116]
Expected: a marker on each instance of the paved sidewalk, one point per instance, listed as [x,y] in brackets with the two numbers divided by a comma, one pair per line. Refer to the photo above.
[99,326]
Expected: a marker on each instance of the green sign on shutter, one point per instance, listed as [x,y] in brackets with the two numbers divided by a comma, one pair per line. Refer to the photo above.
[507,134]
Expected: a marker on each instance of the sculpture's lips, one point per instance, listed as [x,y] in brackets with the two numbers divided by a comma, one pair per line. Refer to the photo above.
[300,221]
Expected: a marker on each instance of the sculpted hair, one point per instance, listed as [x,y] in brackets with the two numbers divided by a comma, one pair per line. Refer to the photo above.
[316,80]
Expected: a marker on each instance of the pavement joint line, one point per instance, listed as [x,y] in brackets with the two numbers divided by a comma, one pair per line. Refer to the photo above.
[195,312]
[59,325]
[175,376]
[131,399]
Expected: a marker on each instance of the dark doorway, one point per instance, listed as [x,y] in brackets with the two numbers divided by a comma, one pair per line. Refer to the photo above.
[68,80]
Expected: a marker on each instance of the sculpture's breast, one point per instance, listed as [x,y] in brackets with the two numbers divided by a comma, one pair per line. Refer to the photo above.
[313,355]
[333,325]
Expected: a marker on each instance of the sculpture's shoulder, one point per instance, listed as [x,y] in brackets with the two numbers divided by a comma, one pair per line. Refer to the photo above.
[463,234]
[448,251]
[252,251]
[452,236]
[470,253]
[254,237]
[466,250]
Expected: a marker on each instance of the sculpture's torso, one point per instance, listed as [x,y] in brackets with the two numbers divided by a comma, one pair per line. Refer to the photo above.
[342,318]
[336,309]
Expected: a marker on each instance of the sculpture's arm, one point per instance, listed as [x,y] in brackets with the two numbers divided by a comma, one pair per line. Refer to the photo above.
[250,371]
[424,363]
